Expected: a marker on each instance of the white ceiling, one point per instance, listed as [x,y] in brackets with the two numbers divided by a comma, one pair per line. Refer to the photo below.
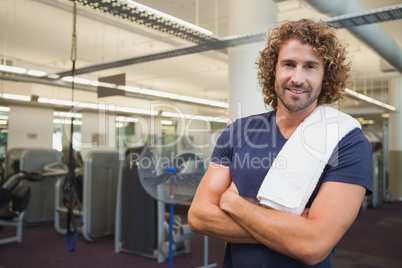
[38,33]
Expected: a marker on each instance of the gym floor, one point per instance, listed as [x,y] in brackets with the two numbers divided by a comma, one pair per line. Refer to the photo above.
[374,240]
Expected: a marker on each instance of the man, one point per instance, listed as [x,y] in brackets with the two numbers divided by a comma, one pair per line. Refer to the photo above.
[301,68]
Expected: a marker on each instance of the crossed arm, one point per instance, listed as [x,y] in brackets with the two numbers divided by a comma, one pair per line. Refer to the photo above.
[218,211]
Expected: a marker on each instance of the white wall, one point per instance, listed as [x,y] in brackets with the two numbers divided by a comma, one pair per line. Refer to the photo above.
[30,127]
[98,132]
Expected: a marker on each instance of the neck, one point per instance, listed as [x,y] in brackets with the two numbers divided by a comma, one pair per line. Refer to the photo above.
[288,121]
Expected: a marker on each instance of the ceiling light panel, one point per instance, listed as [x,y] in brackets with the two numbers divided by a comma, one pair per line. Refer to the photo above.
[151,18]
[362,18]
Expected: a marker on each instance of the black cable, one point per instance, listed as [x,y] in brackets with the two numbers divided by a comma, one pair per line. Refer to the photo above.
[70,186]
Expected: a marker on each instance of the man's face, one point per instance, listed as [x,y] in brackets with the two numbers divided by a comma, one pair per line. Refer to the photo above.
[299,75]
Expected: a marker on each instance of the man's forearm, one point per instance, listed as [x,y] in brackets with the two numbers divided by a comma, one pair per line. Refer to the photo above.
[309,237]
[255,219]
[219,225]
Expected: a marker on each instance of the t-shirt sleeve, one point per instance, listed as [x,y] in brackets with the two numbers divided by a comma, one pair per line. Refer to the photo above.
[351,161]
[223,151]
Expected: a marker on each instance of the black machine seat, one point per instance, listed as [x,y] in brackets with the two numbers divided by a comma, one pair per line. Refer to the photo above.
[14,199]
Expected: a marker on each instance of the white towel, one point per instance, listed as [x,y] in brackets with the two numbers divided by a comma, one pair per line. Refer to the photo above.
[289,183]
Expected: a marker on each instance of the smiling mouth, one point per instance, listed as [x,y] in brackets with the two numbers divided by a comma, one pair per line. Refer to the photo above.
[296,91]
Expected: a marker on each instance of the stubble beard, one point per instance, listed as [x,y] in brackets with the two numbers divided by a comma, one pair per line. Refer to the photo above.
[295,104]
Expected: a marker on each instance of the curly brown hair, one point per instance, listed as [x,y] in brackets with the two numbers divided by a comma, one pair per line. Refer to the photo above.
[325,43]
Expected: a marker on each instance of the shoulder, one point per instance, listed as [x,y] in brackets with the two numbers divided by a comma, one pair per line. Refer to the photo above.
[353,146]
[355,139]
[352,160]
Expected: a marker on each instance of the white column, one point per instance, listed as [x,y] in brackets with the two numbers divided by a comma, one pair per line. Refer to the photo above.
[30,127]
[395,137]
[245,96]
[98,132]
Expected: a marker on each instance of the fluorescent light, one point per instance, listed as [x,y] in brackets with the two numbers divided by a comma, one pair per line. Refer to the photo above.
[101,107]
[66,121]
[77,80]
[4,109]
[218,119]
[96,106]
[219,104]
[176,115]
[166,122]
[58,102]
[126,119]
[385,115]
[136,110]
[192,99]
[61,102]
[196,117]
[16,97]
[174,96]
[3,117]
[132,89]
[92,105]
[369,100]
[53,76]
[3,122]
[364,121]
[13,69]
[165,16]
[36,73]
[96,83]
[43,100]
[126,110]
[158,93]
[65,114]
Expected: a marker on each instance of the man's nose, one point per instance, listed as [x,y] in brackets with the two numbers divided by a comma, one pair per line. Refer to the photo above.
[298,76]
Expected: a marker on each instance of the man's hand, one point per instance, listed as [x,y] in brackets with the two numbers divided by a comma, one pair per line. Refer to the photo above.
[205,215]
[228,195]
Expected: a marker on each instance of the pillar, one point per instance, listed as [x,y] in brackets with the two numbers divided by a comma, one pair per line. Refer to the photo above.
[395,138]
[245,95]
[30,127]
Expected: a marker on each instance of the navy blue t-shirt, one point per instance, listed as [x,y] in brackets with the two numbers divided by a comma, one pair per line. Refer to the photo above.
[249,146]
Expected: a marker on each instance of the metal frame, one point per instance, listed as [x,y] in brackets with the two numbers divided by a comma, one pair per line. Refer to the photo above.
[17,222]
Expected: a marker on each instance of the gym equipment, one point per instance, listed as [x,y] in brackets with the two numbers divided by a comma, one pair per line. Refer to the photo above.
[101,172]
[41,204]
[14,200]
[380,171]
[387,195]
[12,160]
[141,224]
[138,222]
[377,180]
[170,169]
[100,176]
